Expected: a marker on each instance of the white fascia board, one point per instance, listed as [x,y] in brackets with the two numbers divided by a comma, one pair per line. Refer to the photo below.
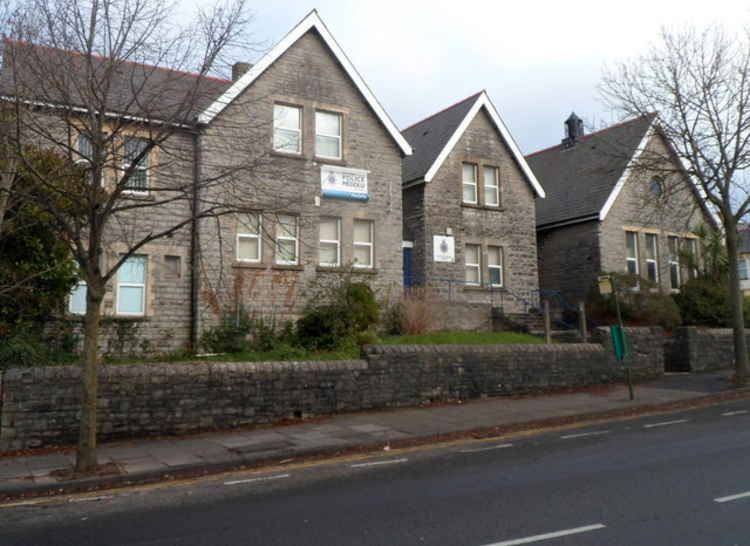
[312,21]
[484,101]
[626,173]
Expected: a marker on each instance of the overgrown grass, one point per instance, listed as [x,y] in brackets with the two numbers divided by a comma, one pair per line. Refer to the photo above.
[461,338]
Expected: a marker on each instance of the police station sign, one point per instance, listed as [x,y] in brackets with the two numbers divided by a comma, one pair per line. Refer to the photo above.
[343,182]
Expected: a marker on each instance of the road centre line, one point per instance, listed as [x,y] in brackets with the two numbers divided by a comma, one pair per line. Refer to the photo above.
[733,497]
[733,413]
[489,448]
[584,434]
[547,536]
[665,423]
[263,479]
[377,463]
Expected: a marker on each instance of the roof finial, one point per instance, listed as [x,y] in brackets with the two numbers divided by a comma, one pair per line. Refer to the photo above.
[573,130]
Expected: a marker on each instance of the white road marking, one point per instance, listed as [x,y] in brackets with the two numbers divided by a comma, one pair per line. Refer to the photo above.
[377,463]
[477,449]
[666,423]
[547,536]
[91,499]
[733,497]
[263,479]
[584,434]
[733,413]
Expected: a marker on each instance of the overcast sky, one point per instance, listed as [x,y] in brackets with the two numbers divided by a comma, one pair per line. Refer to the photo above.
[538,60]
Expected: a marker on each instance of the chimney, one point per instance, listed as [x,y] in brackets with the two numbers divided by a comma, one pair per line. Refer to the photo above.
[573,130]
[238,69]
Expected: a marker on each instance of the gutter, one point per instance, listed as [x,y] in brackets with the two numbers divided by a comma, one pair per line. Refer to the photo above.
[195,241]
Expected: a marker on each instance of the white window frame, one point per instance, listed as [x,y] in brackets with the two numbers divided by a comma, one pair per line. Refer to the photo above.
[628,258]
[142,166]
[742,261]
[470,183]
[692,246]
[295,238]
[142,285]
[338,137]
[243,235]
[499,266]
[370,245]
[336,242]
[72,311]
[298,130]
[495,186]
[476,266]
[674,260]
[652,247]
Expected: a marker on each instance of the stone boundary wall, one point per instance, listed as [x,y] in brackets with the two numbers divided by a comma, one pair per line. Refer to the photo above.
[696,349]
[646,344]
[40,406]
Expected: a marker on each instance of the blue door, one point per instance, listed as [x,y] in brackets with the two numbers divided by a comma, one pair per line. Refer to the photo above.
[408,278]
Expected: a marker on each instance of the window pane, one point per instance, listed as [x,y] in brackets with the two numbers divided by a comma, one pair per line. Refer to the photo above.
[672,242]
[327,146]
[651,270]
[137,181]
[287,141]
[287,251]
[490,176]
[133,148]
[329,229]
[248,248]
[78,299]
[472,254]
[632,267]
[470,193]
[84,146]
[249,224]
[493,255]
[329,254]
[286,117]
[495,277]
[472,275]
[674,276]
[327,123]
[362,231]
[651,242]
[133,270]
[362,256]
[470,173]
[130,300]
[286,226]
[632,244]
[491,195]
[743,270]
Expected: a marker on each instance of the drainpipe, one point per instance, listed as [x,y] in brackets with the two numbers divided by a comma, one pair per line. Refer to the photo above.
[195,242]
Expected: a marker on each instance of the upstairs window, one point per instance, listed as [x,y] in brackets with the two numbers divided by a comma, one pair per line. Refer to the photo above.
[363,243]
[473,264]
[691,248]
[631,240]
[330,242]
[77,299]
[138,181]
[85,148]
[495,265]
[287,129]
[287,240]
[674,262]
[249,247]
[652,257]
[491,187]
[469,179]
[328,135]
[656,187]
[131,286]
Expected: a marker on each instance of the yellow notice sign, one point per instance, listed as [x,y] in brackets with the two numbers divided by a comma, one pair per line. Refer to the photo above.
[605,285]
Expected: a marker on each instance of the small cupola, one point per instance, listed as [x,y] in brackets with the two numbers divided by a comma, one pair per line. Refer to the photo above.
[573,130]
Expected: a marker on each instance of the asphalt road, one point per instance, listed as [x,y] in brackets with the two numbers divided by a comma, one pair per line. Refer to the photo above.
[675,479]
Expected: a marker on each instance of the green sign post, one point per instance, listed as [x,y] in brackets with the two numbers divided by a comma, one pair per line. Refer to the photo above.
[619,338]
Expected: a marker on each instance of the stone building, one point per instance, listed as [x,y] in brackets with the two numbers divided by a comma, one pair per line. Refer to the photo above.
[469,208]
[312,158]
[613,206]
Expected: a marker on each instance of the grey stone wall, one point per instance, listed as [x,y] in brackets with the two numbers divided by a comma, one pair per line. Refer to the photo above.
[511,226]
[41,405]
[309,77]
[569,258]
[646,359]
[696,349]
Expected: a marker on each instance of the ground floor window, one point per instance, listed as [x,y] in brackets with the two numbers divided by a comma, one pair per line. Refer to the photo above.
[363,243]
[77,299]
[131,286]
[631,240]
[495,265]
[473,264]
[674,262]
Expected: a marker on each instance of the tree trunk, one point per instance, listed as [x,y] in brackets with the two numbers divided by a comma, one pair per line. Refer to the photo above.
[737,299]
[6,182]
[86,454]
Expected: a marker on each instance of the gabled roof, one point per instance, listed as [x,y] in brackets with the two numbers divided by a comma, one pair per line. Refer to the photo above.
[59,77]
[583,180]
[311,22]
[435,137]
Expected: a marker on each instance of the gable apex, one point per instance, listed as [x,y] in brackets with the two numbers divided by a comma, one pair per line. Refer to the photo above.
[311,22]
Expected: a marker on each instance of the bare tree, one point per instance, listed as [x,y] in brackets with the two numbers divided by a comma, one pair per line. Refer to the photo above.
[698,81]
[88,78]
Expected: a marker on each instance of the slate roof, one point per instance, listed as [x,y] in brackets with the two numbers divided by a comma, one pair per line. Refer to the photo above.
[59,77]
[579,179]
[429,136]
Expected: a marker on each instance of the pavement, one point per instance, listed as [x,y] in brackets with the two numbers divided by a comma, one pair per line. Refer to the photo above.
[151,460]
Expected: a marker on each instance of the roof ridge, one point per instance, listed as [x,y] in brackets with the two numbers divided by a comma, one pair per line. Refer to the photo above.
[74,52]
[475,95]
[615,126]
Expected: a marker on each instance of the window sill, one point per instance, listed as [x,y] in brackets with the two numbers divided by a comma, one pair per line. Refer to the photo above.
[249,265]
[137,196]
[330,161]
[287,267]
[482,207]
[288,155]
[484,289]
[126,318]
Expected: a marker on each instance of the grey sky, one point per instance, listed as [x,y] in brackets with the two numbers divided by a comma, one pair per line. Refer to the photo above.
[538,60]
